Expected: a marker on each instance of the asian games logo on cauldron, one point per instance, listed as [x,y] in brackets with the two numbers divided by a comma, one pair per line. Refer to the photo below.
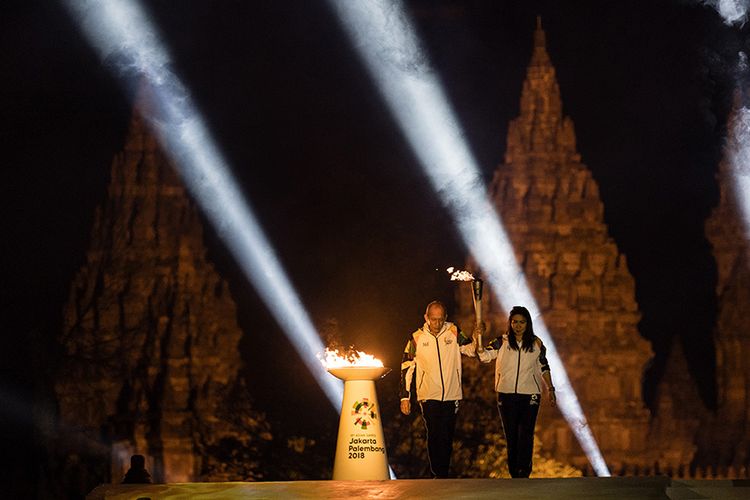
[363,413]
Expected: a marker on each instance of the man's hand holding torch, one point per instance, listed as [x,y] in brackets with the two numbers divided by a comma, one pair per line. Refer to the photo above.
[476,289]
[479,330]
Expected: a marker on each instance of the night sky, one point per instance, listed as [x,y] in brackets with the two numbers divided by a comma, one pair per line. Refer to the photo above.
[336,187]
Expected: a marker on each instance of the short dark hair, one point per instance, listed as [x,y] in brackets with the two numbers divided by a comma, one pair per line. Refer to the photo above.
[436,303]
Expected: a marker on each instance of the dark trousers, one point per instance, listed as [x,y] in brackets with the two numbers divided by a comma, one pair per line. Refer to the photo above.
[518,413]
[440,420]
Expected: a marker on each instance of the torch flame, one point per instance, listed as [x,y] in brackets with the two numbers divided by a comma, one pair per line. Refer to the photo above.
[459,275]
[333,359]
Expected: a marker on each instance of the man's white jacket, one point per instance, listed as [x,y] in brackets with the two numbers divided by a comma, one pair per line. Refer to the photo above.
[433,362]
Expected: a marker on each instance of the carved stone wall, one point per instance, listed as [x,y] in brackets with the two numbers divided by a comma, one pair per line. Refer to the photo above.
[150,336]
[551,209]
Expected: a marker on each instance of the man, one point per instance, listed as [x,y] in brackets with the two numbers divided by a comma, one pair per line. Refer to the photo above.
[433,355]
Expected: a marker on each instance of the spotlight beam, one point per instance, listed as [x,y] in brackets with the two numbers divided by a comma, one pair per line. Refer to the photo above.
[385,40]
[738,152]
[737,147]
[121,32]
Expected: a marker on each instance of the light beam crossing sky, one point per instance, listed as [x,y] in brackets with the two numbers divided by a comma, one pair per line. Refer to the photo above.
[384,38]
[122,33]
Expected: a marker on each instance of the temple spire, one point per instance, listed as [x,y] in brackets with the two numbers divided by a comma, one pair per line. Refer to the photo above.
[554,218]
[541,127]
[539,38]
[150,335]
[540,57]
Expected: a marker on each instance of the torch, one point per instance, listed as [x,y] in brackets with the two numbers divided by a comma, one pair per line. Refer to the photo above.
[476,288]
[476,295]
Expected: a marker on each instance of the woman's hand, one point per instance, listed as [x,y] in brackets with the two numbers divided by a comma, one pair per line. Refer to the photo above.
[551,395]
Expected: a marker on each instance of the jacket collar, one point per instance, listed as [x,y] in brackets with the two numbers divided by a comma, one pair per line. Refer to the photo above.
[446,326]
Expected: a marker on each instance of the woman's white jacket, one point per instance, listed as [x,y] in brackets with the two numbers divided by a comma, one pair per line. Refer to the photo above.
[516,371]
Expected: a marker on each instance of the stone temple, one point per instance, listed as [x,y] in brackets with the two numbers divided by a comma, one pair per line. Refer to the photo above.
[150,338]
[724,440]
[551,209]
[716,443]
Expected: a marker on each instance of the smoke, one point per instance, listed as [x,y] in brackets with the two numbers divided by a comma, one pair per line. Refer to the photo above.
[732,11]
[742,63]
[738,155]
[737,145]
[740,76]
[739,142]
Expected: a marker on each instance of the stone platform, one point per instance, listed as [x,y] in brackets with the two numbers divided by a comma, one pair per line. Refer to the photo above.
[585,488]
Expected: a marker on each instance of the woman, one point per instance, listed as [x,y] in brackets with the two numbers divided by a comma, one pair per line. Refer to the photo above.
[520,368]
